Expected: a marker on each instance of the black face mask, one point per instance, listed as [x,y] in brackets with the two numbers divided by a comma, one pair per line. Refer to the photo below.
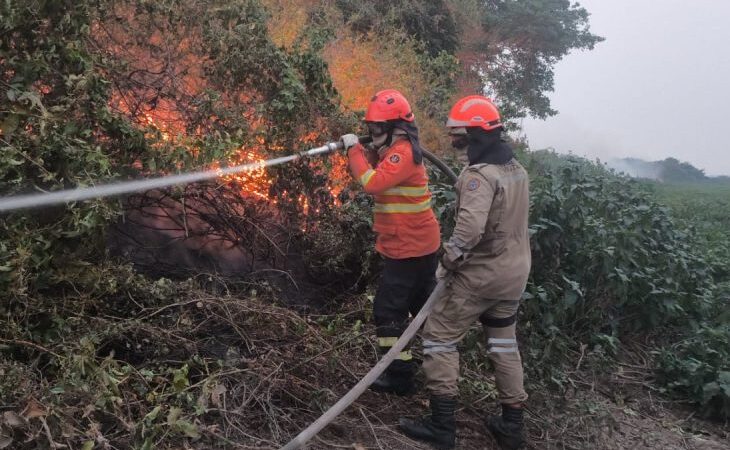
[460,142]
[378,128]
[487,147]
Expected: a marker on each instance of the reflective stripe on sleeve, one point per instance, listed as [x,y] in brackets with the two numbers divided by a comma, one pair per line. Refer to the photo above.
[365,178]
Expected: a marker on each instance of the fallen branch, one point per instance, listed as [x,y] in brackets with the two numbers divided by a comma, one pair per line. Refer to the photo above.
[330,415]
[30,344]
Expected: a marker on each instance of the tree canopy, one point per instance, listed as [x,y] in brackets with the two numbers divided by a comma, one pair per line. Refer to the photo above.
[520,45]
[507,48]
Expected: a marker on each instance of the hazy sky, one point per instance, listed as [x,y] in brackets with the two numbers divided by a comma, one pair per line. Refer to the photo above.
[658,86]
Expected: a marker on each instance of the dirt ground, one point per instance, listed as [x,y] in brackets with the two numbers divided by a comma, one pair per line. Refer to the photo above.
[371,423]
[617,408]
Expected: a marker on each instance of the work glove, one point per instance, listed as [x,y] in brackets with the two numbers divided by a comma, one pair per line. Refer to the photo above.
[448,264]
[442,272]
[349,140]
[453,255]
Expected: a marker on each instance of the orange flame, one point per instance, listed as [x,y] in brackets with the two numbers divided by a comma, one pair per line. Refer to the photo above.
[167,76]
[255,181]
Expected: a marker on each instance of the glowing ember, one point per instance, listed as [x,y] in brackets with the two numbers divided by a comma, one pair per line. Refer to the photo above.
[255,181]
[339,176]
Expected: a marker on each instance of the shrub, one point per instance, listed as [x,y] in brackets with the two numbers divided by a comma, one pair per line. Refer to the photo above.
[698,368]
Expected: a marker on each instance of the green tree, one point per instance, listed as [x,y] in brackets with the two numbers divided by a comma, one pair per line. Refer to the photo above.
[519,44]
[508,47]
[674,171]
[429,22]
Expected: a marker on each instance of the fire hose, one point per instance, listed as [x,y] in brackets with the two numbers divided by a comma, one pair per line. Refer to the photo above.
[108,190]
[335,410]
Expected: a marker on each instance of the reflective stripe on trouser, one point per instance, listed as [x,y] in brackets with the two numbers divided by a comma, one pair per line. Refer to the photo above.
[505,356]
[446,327]
[404,287]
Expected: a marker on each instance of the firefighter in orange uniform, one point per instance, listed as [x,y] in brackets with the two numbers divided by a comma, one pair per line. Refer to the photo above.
[408,234]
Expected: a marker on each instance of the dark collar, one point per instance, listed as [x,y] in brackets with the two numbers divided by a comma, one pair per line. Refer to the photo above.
[487,147]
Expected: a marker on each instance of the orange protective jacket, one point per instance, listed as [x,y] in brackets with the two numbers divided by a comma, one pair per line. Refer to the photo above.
[404,221]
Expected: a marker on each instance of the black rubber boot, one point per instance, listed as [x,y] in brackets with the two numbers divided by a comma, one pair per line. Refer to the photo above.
[397,379]
[438,429]
[508,429]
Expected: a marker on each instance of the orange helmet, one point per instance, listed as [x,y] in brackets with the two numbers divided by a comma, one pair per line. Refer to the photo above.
[474,111]
[388,105]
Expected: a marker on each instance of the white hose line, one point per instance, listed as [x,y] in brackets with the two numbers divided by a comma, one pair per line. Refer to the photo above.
[334,411]
[128,187]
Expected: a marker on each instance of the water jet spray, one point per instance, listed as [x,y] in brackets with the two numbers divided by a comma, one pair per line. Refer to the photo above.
[127,187]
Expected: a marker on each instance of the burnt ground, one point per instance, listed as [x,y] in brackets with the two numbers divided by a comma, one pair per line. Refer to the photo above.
[195,370]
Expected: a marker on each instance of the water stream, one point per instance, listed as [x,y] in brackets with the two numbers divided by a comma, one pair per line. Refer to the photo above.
[127,187]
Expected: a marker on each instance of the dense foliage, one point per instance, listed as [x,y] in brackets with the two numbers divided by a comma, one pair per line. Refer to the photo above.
[611,260]
[698,365]
[429,22]
[614,265]
[57,131]
[64,68]
[615,256]
[99,90]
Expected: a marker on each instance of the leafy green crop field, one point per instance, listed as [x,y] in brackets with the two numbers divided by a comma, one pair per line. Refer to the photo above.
[705,209]
[707,202]
[697,366]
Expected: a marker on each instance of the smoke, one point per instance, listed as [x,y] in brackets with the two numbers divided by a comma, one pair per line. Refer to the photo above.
[636,168]
[656,88]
